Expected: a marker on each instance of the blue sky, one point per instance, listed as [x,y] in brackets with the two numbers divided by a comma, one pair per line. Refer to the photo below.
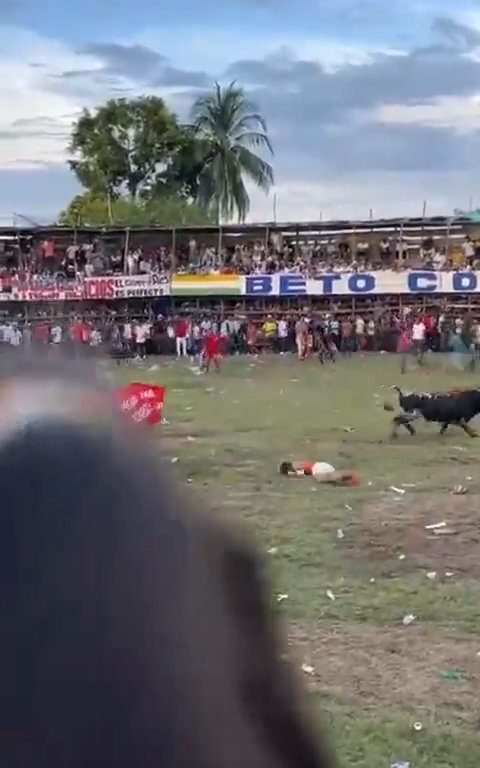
[370,104]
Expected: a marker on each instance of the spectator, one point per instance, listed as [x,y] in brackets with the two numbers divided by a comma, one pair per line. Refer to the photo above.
[181,330]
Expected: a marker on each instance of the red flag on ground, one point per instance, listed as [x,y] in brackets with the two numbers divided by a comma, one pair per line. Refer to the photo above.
[141,403]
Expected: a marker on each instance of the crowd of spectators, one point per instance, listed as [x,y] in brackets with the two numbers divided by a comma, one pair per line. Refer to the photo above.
[45,261]
[184,335]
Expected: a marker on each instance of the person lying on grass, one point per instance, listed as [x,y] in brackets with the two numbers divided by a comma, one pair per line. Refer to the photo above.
[320,471]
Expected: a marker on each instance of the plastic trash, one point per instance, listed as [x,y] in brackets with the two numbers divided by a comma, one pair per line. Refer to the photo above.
[400,765]
[330,595]
[174,459]
[394,488]
[417,726]
[408,619]
[340,534]
[432,575]
[451,674]
[272,551]
[281,598]
[401,557]
[308,669]
[459,490]
[435,526]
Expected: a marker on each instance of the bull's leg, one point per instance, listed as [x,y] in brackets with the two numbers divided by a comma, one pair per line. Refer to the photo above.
[403,420]
[467,428]
[443,428]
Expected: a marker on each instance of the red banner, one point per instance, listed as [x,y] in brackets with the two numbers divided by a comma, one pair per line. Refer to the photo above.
[141,403]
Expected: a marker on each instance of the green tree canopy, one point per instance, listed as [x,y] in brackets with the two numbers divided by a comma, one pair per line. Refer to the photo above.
[124,146]
[231,129]
[91,210]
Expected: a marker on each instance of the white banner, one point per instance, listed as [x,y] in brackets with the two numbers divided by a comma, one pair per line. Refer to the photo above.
[362,283]
[92,288]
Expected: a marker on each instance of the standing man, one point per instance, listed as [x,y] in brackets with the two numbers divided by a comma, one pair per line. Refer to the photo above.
[301,332]
[128,337]
[56,335]
[181,330]
[212,351]
[418,339]
[282,333]
[359,333]
[141,335]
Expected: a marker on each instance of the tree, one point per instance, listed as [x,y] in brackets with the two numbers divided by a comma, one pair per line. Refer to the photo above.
[124,146]
[182,176]
[231,128]
[91,210]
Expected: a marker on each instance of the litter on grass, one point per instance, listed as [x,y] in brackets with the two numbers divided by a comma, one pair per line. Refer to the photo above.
[451,674]
[309,670]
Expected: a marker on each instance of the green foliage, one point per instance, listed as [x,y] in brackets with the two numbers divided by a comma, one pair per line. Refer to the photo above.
[139,165]
[232,129]
[124,146]
[91,210]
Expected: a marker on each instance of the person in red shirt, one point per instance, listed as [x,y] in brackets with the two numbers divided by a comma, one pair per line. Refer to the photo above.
[211,351]
[41,334]
[181,329]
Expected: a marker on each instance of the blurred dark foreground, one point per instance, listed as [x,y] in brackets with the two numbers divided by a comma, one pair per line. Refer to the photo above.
[136,630]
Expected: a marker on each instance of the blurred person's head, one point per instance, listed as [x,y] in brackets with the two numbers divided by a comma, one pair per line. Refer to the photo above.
[135,631]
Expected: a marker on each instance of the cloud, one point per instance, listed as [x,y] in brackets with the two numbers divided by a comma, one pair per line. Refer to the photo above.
[136,63]
[288,83]
[462,116]
[345,119]
[459,36]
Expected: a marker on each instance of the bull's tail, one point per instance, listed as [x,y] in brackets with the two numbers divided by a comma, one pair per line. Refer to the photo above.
[397,389]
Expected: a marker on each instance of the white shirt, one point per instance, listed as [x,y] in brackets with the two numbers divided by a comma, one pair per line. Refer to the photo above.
[418,331]
[127,331]
[95,338]
[321,469]
[15,337]
[141,333]
[371,328]
[359,325]
[282,329]
[56,334]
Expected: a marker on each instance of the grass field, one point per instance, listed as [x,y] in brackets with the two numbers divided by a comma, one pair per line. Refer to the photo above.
[372,676]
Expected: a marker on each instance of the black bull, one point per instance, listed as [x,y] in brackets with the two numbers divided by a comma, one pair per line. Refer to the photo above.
[445,408]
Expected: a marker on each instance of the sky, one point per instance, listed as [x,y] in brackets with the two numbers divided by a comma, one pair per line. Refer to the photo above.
[371,105]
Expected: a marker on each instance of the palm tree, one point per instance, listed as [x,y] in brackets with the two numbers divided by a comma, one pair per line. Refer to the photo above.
[226,122]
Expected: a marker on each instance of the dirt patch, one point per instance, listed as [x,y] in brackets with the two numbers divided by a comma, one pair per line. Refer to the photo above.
[411,668]
[391,529]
